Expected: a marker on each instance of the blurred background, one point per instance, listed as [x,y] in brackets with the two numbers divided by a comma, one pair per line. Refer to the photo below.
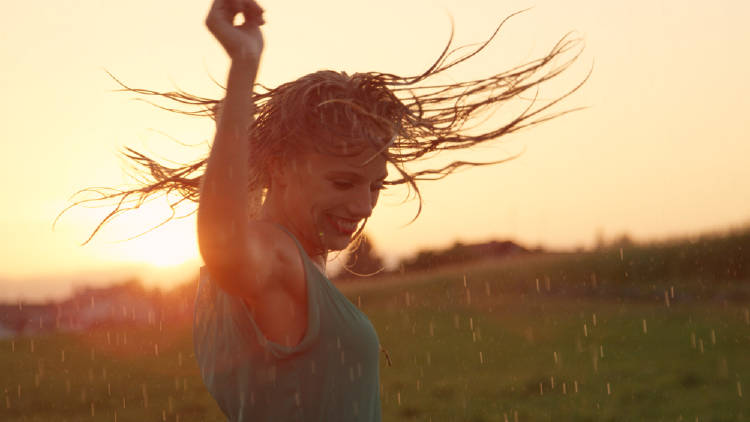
[616,242]
[660,151]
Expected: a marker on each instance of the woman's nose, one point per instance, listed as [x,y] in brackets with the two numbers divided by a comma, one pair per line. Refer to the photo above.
[361,205]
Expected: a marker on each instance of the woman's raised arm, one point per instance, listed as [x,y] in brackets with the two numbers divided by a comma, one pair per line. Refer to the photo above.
[223,205]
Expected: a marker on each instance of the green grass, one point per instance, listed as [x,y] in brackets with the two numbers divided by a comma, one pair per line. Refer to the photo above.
[537,360]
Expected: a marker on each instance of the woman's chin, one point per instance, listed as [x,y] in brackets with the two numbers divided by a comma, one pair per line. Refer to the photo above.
[338,242]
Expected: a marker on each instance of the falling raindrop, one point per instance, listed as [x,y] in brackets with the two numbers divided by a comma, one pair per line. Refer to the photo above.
[481,358]
[609,390]
[585,330]
[713,336]
[700,345]
[692,340]
[739,388]
[645,328]
[144,393]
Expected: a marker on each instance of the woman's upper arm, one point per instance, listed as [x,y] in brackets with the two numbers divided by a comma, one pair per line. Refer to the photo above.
[267,260]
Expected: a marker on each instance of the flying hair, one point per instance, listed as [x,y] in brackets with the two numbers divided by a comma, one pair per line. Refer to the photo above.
[406,119]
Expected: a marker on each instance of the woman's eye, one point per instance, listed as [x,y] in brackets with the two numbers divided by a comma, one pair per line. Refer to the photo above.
[340,184]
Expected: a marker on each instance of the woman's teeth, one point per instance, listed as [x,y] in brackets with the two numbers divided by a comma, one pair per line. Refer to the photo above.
[345,226]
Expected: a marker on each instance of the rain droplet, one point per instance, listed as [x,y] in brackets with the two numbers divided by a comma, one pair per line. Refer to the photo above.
[144,393]
[645,328]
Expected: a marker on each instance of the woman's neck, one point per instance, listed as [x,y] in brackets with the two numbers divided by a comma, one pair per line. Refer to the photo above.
[272,214]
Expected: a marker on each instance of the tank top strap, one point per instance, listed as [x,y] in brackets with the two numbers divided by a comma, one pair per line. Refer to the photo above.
[307,262]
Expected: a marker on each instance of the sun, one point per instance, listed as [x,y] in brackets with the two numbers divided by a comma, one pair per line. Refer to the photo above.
[169,245]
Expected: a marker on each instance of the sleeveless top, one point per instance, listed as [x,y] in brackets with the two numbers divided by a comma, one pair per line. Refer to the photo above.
[331,375]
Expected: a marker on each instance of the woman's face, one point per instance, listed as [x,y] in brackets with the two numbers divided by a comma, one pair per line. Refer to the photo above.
[325,198]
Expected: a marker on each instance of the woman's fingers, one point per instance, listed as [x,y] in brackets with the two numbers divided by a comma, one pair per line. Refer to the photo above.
[241,42]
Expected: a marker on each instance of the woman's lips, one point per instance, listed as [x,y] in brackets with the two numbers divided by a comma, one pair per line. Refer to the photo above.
[344,226]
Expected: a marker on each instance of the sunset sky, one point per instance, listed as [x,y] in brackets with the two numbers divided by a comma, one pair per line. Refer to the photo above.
[661,149]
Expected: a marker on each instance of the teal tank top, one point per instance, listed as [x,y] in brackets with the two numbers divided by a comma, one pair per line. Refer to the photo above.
[331,375]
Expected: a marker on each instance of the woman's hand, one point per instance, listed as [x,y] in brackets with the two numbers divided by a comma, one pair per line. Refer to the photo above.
[243,42]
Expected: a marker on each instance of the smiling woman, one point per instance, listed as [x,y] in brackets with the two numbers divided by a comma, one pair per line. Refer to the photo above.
[294,173]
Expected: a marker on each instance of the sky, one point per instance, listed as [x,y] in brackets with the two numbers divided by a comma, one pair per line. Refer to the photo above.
[660,149]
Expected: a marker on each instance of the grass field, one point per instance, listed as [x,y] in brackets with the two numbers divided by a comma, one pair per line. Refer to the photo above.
[523,340]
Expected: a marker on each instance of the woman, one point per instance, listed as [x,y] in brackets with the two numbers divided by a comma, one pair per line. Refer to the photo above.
[294,173]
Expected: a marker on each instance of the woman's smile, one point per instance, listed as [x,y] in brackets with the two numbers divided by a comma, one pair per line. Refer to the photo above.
[344,226]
